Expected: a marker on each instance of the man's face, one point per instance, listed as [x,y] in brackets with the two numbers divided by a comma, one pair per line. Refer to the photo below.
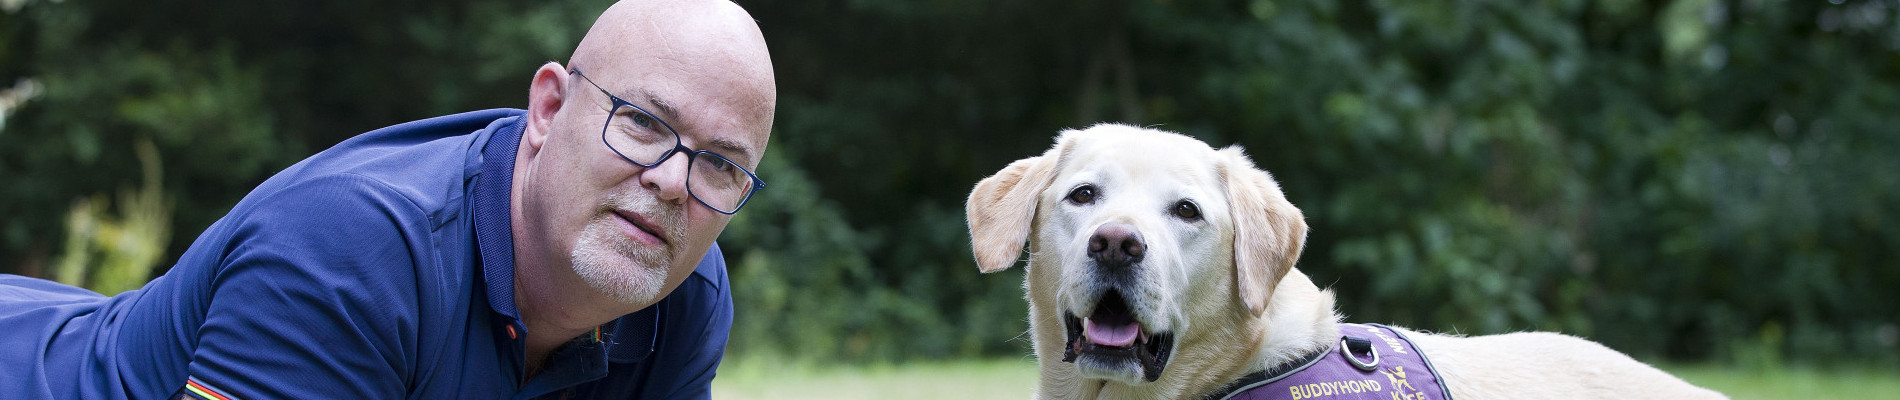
[630,232]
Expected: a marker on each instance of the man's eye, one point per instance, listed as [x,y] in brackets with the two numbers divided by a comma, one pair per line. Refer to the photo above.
[643,120]
[1084,194]
[723,166]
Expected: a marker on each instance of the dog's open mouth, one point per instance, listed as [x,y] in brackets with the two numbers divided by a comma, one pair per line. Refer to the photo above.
[1110,335]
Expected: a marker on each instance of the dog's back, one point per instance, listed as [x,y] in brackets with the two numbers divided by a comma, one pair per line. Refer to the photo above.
[1544,365]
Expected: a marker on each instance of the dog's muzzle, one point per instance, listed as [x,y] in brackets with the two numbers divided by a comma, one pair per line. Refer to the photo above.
[1111,335]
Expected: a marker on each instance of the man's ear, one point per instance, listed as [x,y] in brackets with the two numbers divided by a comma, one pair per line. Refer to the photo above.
[546,94]
[1268,231]
[1003,206]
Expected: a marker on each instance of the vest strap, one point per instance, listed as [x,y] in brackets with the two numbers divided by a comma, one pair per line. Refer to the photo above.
[1359,361]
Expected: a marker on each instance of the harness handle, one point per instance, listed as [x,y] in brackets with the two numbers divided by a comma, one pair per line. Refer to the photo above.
[1349,345]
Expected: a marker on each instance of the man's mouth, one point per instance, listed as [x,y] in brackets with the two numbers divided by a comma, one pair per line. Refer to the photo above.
[643,225]
[1110,335]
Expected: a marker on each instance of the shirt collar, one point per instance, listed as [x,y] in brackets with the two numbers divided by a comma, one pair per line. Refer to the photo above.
[494,234]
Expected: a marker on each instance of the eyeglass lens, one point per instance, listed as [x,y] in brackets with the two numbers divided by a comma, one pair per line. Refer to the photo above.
[711,178]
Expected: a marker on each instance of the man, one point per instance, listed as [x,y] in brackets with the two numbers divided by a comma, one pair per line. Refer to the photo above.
[561,251]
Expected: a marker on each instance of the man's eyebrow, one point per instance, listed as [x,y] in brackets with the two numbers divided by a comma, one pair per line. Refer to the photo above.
[726,147]
[665,110]
[738,152]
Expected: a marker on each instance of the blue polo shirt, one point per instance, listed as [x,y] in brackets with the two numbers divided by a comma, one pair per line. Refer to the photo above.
[380,268]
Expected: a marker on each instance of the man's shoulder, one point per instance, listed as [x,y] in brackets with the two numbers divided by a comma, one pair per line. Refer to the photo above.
[380,198]
[423,163]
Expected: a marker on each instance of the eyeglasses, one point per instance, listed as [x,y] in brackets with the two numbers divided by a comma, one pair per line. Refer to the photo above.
[645,140]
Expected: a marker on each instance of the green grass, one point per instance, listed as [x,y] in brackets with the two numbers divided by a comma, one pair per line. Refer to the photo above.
[1792,383]
[755,378]
[960,380]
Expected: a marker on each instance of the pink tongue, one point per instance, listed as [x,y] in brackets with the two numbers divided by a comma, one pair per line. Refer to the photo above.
[1111,336]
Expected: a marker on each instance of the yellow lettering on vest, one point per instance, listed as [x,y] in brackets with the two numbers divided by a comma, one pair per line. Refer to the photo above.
[1324,389]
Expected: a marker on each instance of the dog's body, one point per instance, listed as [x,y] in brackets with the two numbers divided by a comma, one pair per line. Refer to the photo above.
[1161,268]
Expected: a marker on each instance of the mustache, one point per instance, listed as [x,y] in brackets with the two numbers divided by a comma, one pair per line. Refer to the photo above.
[668,220]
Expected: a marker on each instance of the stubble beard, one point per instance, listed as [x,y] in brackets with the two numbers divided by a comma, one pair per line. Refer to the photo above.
[615,265]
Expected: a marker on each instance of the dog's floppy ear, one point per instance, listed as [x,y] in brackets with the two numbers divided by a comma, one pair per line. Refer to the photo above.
[1268,231]
[1003,206]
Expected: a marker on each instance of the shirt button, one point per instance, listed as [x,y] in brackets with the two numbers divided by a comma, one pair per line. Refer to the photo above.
[511,332]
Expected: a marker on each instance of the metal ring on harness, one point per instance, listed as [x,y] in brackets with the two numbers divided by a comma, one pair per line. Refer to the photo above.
[1349,345]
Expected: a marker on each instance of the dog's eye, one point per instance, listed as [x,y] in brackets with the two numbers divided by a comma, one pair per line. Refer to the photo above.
[1187,210]
[1082,194]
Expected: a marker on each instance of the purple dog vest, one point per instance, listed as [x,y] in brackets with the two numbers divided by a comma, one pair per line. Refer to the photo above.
[1371,362]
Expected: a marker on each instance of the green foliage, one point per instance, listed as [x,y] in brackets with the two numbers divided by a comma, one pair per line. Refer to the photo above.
[112,254]
[807,289]
[1701,179]
[1670,180]
[205,112]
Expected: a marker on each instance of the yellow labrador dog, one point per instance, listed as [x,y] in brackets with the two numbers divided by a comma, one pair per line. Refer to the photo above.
[1161,268]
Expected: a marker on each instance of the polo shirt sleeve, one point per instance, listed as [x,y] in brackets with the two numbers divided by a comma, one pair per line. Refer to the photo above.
[316,296]
[697,325]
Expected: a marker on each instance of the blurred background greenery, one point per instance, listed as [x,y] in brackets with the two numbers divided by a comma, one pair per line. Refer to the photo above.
[1690,180]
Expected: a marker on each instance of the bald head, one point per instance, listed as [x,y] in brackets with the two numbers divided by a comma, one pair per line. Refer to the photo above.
[670,50]
[631,28]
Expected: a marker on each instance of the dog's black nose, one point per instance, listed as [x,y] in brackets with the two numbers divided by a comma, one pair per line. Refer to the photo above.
[1116,244]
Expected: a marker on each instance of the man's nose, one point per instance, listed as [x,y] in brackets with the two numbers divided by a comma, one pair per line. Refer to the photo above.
[1116,245]
[668,178]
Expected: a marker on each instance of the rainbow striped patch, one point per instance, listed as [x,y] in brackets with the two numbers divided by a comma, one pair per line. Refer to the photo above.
[203,391]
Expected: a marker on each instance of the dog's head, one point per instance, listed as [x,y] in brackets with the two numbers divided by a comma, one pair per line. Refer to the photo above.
[1145,231]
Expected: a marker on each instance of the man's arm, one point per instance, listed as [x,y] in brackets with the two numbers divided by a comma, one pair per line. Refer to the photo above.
[316,297]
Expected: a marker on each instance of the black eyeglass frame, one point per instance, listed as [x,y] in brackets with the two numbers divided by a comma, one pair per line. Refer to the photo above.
[678,147]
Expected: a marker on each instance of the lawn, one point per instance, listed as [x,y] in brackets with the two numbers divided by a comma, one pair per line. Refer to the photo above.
[1016,379]
[1793,383]
[959,380]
